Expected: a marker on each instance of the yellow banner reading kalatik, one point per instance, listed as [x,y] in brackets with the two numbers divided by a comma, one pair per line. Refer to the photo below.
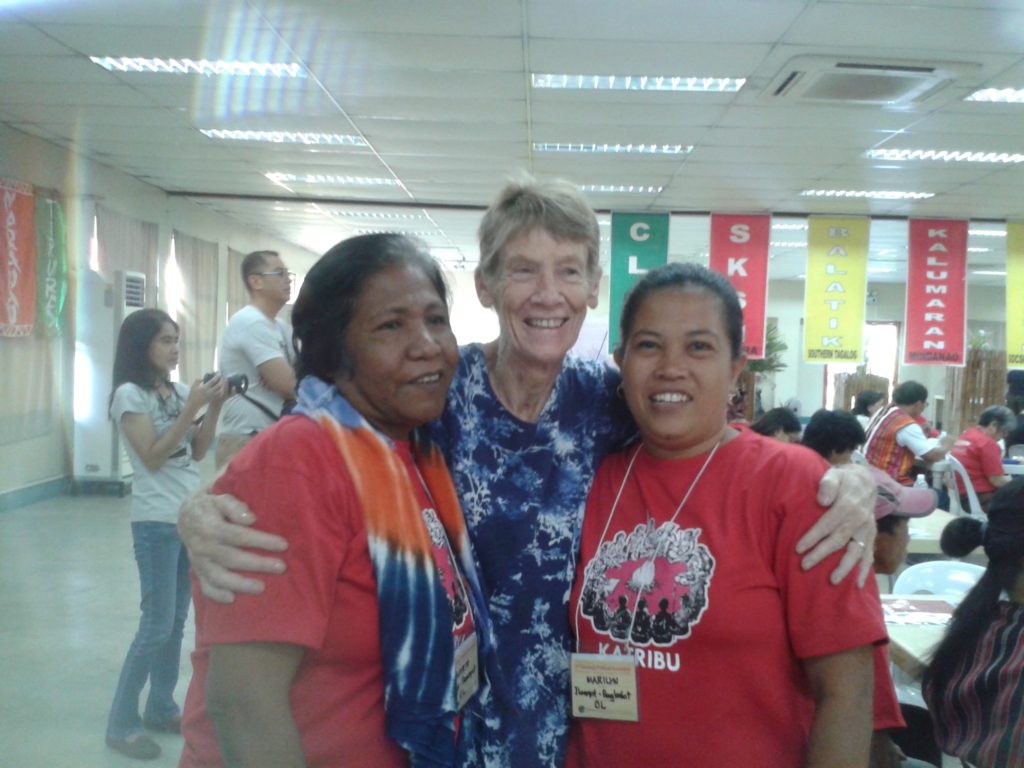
[837,262]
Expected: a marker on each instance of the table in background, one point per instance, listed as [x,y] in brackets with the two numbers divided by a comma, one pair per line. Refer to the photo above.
[925,532]
[912,642]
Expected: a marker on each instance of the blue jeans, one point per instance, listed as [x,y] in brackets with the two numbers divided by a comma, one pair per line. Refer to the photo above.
[155,653]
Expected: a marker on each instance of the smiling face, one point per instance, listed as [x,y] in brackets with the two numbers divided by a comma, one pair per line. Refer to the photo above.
[541,295]
[402,351]
[164,350]
[677,371]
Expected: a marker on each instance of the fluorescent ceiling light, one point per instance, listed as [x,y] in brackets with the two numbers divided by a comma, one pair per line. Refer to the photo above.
[422,233]
[286,137]
[881,270]
[637,149]
[978,250]
[788,226]
[198,67]
[377,215]
[1002,95]
[788,244]
[638,83]
[995,272]
[628,188]
[987,232]
[323,178]
[876,194]
[945,155]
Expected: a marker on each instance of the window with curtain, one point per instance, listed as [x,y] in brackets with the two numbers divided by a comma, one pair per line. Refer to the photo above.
[197,312]
[128,244]
[238,297]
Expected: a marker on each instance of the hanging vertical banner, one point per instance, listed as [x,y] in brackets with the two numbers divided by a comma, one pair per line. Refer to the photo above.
[1015,294]
[936,321]
[51,267]
[739,250]
[17,259]
[639,244]
[836,287]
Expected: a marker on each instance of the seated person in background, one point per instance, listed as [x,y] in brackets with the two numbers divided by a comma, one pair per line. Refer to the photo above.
[866,404]
[779,423]
[835,435]
[895,439]
[974,684]
[981,456]
[1016,435]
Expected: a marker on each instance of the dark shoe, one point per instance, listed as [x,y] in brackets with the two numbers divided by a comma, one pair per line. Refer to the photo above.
[139,746]
[164,726]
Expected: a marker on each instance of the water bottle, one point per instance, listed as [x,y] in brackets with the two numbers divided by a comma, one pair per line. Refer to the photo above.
[920,482]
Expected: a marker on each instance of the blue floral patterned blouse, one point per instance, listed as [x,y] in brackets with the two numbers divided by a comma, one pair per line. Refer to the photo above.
[523,488]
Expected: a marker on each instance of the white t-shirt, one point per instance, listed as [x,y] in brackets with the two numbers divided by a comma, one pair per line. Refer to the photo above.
[157,496]
[913,439]
[251,339]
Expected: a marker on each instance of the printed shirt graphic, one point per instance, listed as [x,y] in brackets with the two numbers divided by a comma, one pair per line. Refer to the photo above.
[649,586]
[522,488]
[714,606]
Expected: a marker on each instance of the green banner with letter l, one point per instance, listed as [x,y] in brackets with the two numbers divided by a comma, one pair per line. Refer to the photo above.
[639,244]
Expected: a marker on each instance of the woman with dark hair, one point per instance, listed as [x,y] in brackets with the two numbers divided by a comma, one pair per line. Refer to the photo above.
[779,424]
[866,404]
[365,650]
[974,685]
[157,419]
[524,429]
[749,659]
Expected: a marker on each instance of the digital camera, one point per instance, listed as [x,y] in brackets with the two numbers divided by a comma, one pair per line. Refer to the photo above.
[237,383]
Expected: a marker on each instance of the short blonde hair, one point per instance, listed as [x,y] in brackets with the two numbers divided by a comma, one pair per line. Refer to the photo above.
[557,207]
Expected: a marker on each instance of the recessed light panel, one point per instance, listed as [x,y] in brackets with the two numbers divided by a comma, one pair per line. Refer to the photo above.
[636,149]
[286,137]
[874,194]
[198,67]
[639,83]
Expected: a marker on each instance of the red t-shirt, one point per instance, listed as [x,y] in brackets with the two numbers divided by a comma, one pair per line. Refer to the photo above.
[981,457]
[292,478]
[728,613]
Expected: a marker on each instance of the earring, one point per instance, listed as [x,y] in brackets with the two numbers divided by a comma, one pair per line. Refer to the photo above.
[620,392]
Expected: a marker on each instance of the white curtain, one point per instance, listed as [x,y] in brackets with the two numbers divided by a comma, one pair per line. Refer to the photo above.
[197,316]
[238,297]
[128,244]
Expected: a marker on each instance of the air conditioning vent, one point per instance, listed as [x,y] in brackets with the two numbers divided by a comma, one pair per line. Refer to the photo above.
[134,289]
[831,80]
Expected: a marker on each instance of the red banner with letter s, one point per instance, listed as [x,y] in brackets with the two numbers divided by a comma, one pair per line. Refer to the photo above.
[17,259]
[739,250]
[936,316]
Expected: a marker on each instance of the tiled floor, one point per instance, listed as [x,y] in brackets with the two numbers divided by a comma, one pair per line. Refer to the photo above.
[69,602]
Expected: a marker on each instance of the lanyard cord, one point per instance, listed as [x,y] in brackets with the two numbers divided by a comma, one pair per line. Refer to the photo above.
[608,522]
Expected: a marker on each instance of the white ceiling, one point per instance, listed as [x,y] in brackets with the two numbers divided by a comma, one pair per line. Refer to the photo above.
[441,91]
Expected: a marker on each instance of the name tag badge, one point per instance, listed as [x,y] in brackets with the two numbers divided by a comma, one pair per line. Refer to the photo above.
[467,672]
[604,687]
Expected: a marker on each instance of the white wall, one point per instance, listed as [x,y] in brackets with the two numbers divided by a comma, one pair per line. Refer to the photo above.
[82,183]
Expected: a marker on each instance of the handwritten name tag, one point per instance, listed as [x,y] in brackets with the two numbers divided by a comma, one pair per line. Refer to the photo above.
[604,687]
[467,674]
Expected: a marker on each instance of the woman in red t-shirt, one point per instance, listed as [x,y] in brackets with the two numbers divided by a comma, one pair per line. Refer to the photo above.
[700,639]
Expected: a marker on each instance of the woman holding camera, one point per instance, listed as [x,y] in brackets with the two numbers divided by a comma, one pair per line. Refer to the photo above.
[164,433]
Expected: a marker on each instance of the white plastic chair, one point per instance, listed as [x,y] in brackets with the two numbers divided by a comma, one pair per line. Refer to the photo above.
[938,577]
[953,470]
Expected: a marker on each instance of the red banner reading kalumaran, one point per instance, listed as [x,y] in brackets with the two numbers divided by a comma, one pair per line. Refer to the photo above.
[936,316]
[739,250]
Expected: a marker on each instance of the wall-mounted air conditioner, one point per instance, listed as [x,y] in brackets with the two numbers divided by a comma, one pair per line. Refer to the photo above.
[837,80]
[100,463]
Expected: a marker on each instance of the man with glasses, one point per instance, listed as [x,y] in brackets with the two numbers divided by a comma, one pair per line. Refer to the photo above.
[259,345]
[895,439]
